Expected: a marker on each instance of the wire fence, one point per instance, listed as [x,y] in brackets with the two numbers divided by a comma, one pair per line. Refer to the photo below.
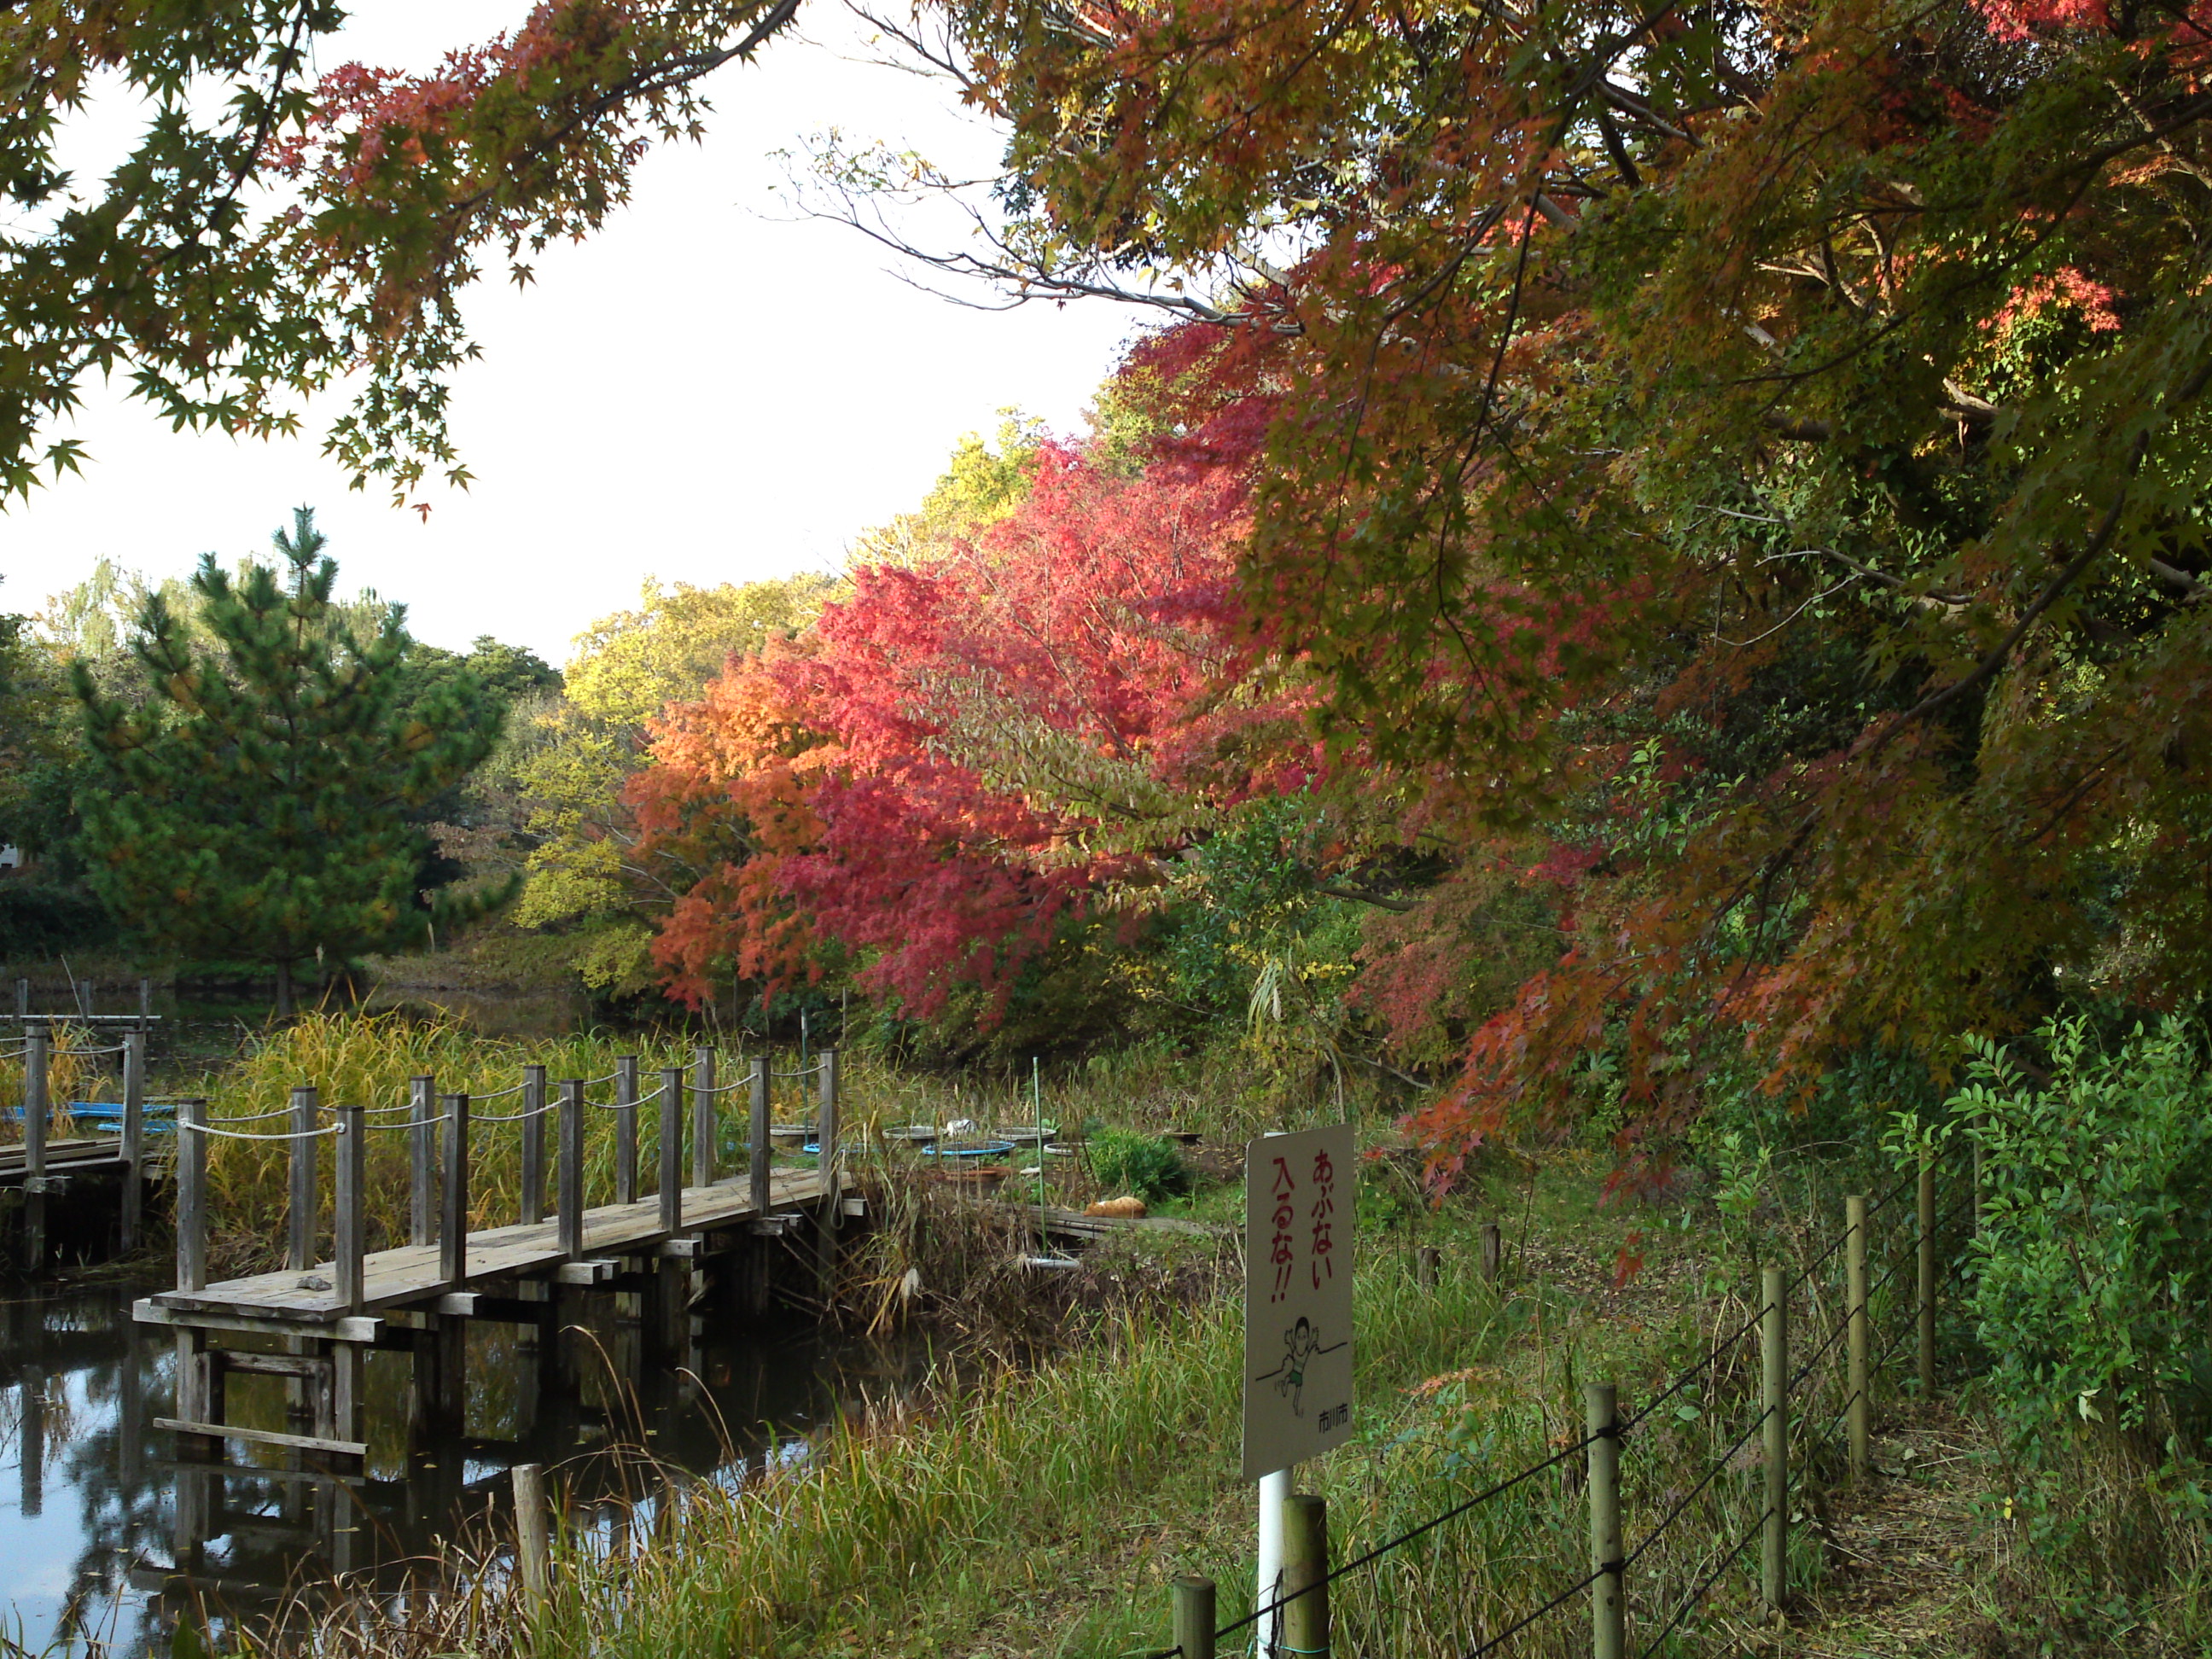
[1806,1442]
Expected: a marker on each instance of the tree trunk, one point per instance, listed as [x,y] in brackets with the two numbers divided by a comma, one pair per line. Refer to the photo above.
[284,989]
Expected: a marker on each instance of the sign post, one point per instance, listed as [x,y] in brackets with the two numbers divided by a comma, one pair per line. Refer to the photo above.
[1299,1194]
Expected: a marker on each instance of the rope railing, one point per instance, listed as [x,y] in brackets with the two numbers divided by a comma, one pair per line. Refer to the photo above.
[217,1130]
[523,1116]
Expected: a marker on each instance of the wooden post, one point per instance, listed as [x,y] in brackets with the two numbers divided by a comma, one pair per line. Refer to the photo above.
[132,1197]
[1927,1297]
[22,999]
[300,1241]
[702,1117]
[37,1103]
[1978,1189]
[145,1002]
[533,1543]
[534,1143]
[348,1209]
[825,1163]
[453,1223]
[571,1173]
[1194,1617]
[1427,1258]
[626,1129]
[1856,1412]
[672,1148]
[757,1139]
[84,998]
[31,1452]
[1601,1418]
[192,1198]
[1305,1575]
[422,1162]
[1493,1253]
[1774,1356]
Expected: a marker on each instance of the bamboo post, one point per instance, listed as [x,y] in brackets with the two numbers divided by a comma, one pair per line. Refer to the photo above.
[572,1169]
[132,1197]
[1493,1253]
[1774,1356]
[702,1117]
[422,1162]
[38,1103]
[1427,1258]
[1927,1287]
[299,1239]
[757,1143]
[1194,1617]
[1857,1411]
[533,1144]
[672,1148]
[454,1222]
[348,1206]
[1305,1575]
[1601,1418]
[533,1541]
[626,1129]
[191,1197]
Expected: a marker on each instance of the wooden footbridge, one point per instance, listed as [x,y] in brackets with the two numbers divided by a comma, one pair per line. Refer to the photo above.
[40,1167]
[312,1321]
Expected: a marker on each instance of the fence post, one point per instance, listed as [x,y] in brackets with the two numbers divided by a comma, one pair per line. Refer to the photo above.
[672,1148]
[37,1103]
[1493,1253]
[1774,1355]
[422,1162]
[453,1223]
[702,1117]
[1856,1410]
[299,1241]
[1194,1616]
[1927,1288]
[825,1164]
[1427,1258]
[191,1197]
[1601,1419]
[572,1169]
[626,1128]
[534,1143]
[22,999]
[349,1205]
[757,1140]
[1305,1575]
[132,1196]
[533,1543]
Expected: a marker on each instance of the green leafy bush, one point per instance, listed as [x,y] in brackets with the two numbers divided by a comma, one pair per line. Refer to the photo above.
[2093,1297]
[1150,1166]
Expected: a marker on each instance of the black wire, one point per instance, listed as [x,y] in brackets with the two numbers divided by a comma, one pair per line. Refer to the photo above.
[1358,1561]
[1551,1605]
[1719,1566]
[1817,1262]
[1705,1481]
[1691,1375]
[1904,1181]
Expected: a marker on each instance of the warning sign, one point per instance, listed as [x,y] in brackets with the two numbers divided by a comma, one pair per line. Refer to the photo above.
[1297,1296]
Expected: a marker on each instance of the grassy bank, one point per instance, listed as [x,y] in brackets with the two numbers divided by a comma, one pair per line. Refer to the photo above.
[1044,1511]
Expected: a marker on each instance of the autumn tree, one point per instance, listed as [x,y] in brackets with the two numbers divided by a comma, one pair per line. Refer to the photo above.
[256,808]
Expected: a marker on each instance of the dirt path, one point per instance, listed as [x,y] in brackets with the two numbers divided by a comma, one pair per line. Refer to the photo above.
[1905,1552]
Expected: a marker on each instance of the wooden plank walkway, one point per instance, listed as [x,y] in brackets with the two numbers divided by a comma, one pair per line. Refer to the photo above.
[71,1157]
[412,1273]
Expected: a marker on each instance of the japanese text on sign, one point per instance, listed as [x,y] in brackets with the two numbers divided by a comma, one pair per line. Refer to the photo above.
[1298,1298]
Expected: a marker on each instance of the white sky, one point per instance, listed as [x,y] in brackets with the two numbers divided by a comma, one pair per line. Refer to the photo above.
[705,393]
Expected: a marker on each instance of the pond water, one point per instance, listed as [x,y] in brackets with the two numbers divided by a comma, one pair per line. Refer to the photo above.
[105,1535]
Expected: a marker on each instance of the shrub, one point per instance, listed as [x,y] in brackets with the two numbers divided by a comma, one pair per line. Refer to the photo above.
[1150,1166]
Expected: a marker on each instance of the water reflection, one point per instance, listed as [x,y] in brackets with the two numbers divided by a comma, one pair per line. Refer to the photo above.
[105,1535]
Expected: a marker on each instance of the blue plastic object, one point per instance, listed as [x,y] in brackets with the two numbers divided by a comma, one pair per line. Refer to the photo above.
[985,1149]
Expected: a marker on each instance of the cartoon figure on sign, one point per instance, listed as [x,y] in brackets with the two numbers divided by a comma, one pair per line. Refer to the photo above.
[1300,1344]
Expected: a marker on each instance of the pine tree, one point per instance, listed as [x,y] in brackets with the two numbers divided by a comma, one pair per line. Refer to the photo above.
[256,808]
